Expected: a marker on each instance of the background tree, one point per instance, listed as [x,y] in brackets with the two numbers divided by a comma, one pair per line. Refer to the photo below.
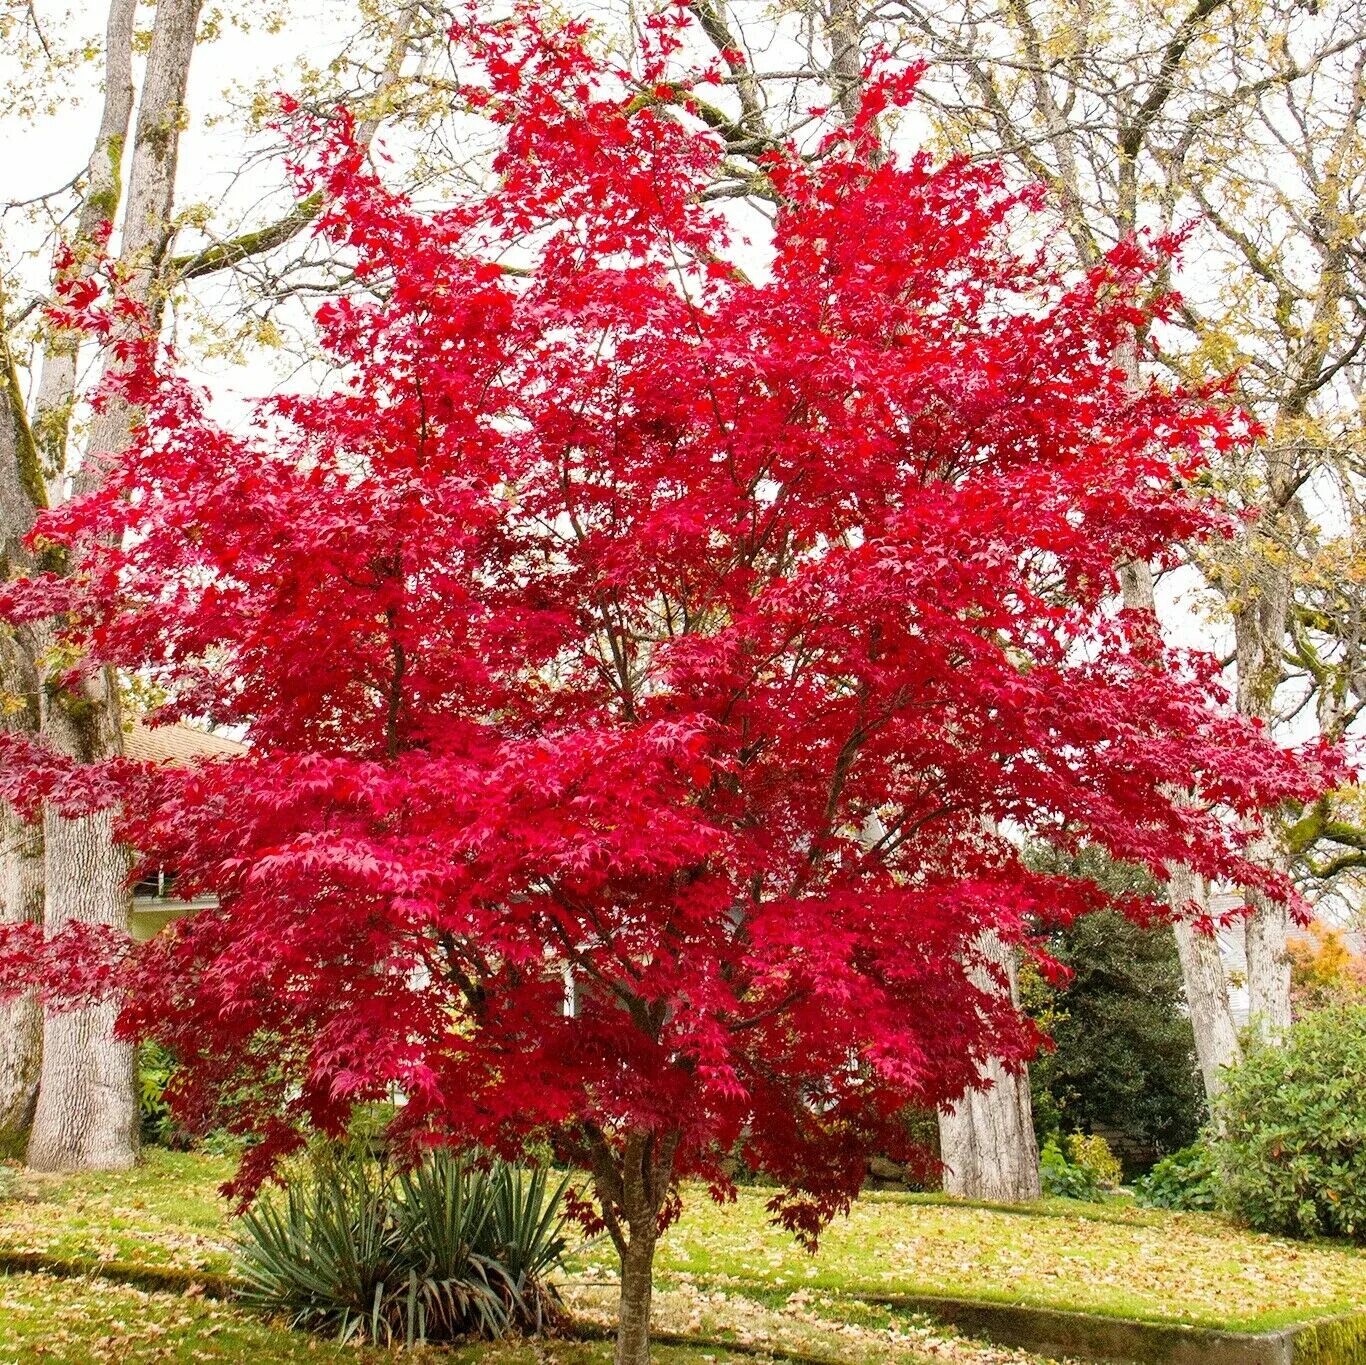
[66,1091]
[584,627]
[1325,970]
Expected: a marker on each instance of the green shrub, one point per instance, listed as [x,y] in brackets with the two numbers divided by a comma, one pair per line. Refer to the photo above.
[449,1249]
[1124,1051]
[1064,1179]
[1091,1152]
[1187,1180]
[156,1122]
[1292,1158]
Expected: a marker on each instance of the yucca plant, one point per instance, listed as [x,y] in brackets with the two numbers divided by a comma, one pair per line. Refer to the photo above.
[330,1258]
[524,1233]
[442,1211]
[453,1247]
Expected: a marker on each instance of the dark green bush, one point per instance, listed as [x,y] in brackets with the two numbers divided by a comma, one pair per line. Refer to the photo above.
[452,1248]
[1186,1180]
[1124,1055]
[1292,1158]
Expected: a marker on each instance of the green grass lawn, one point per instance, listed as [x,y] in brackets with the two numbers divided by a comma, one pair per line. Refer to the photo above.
[93,1322]
[723,1274]
[1110,1258]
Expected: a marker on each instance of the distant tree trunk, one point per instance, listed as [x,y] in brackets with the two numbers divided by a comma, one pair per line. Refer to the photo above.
[21,1019]
[1202,968]
[1205,980]
[1267,932]
[986,1140]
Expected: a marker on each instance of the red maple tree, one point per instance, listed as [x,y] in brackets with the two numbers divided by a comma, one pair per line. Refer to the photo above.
[646,666]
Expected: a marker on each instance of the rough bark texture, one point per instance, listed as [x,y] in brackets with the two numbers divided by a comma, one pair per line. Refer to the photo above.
[1206,982]
[22,492]
[87,1111]
[1268,966]
[1261,625]
[987,1140]
[21,1019]
[87,1116]
[637,1290]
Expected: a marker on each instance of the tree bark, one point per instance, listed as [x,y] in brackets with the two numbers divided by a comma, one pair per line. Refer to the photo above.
[634,1305]
[632,1182]
[1205,980]
[21,1019]
[1267,933]
[1202,968]
[987,1139]
[86,1115]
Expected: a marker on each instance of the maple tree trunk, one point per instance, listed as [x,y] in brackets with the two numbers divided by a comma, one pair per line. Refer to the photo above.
[1206,983]
[21,1019]
[632,1183]
[986,1140]
[637,1291]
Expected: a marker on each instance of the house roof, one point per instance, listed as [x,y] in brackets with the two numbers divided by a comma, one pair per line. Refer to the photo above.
[178,743]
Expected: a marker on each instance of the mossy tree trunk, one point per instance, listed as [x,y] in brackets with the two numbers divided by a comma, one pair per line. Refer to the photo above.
[86,1115]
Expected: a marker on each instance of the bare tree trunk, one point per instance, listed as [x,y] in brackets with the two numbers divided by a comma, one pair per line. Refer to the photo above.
[22,492]
[1261,625]
[1268,966]
[87,1116]
[21,1019]
[1202,968]
[637,1292]
[986,1140]
[1206,982]
[87,1111]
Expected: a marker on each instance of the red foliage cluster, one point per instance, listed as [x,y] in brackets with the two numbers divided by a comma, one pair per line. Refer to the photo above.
[639,659]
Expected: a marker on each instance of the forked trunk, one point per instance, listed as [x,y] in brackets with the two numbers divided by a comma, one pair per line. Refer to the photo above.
[632,1180]
[87,1109]
[637,1291]
[87,1114]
